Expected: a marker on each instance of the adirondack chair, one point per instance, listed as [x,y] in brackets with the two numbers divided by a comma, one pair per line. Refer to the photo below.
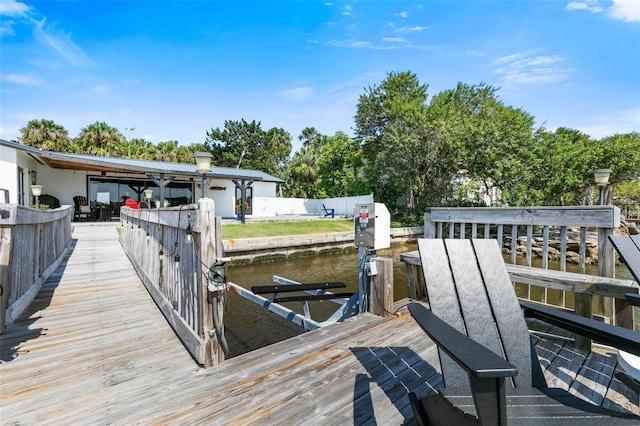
[328,212]
[489,366]
[82,207]
[628,247]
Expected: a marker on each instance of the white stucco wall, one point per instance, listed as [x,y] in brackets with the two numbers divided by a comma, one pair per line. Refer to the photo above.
[9,174]
[63,184]
[225,199]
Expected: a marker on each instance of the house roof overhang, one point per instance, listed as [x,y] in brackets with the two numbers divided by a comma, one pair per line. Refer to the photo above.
[59,160]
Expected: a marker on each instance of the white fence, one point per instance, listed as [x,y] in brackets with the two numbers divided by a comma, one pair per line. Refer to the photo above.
[266,206]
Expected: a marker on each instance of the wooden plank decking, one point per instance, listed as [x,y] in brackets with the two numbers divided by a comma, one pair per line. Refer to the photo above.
[94,349]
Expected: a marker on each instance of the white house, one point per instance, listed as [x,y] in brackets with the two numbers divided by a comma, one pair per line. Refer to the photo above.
[112,180]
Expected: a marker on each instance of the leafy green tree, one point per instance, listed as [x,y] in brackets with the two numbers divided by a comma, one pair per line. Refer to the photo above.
[564,174]
[493,141]
[244,144]
[46,135]
[101,139]
[397,142]
[339,165]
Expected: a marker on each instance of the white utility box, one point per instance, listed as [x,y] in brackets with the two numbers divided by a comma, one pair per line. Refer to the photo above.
[372,223]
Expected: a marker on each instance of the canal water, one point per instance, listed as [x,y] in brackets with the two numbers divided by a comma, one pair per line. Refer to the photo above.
[249,326]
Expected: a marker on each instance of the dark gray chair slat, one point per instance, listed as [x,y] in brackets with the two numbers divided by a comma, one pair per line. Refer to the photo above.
[545,406]
[437,273]
[628,246]
[512,328]
[475,305]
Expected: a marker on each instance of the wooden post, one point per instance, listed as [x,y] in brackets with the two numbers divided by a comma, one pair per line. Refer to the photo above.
[429,226]
[382,288]
[584,309]
[210,250]
[5,285]
[416,288]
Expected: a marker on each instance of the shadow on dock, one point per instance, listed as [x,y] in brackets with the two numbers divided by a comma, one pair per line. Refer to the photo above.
[396,371]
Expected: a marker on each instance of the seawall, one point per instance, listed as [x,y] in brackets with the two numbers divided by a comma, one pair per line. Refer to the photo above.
[253,250]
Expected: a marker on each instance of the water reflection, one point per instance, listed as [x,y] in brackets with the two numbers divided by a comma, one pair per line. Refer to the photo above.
[248,326]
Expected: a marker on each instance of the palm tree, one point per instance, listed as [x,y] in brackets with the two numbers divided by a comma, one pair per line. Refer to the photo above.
[101,139]
[46,135]
[167,151]
[311,139]
[140,149]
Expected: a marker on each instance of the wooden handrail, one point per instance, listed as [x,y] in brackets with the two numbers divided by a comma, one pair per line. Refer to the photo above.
[34,242]
[172,250]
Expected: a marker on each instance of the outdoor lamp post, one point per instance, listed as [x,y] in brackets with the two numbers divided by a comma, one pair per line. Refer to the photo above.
[36,190]
[147,194]
[601,177]
[203,165]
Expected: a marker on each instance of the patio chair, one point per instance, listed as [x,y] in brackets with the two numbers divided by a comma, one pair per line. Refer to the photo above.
[490,369]
[328,212]
[82,208]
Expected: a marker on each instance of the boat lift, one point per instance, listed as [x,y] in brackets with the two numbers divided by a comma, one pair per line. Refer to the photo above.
[372,231]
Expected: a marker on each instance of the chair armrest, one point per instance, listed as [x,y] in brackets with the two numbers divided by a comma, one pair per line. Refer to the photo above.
[474,358]
[618,337]
[633,299]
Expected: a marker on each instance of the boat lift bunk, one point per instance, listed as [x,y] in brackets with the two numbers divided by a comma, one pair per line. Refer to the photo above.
[372,223]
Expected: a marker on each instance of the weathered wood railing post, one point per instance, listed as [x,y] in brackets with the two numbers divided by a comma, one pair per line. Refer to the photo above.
[381,300]
[210,246]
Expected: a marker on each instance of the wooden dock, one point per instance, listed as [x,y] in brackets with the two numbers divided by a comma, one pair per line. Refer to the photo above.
[94,349]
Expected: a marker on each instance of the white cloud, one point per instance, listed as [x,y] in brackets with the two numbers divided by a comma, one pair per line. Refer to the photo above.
[600,126]
[395,39]
[13,8]
[61,43]
[6,28]
[625,10]
[588,5]
[358,44]
[346,10]
[298,93]
[524,68]
[402,14]
[23,79]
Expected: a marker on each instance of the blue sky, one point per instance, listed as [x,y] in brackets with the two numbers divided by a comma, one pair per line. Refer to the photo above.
[171,70]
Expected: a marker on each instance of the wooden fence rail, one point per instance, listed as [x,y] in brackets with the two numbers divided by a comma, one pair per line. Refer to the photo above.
[172,250]
[32,245]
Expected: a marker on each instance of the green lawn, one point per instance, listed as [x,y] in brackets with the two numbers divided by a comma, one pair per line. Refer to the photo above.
[232,231]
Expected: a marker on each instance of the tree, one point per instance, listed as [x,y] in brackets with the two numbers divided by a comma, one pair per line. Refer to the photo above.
[339,166]
[138,148]
[392,129]
[244,144]
[564,175]
[46,135]
[101,139]
[493,142]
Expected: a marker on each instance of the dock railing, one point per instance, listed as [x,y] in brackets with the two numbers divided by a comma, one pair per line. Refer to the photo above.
[173,250]
[549,232]
[33,243]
